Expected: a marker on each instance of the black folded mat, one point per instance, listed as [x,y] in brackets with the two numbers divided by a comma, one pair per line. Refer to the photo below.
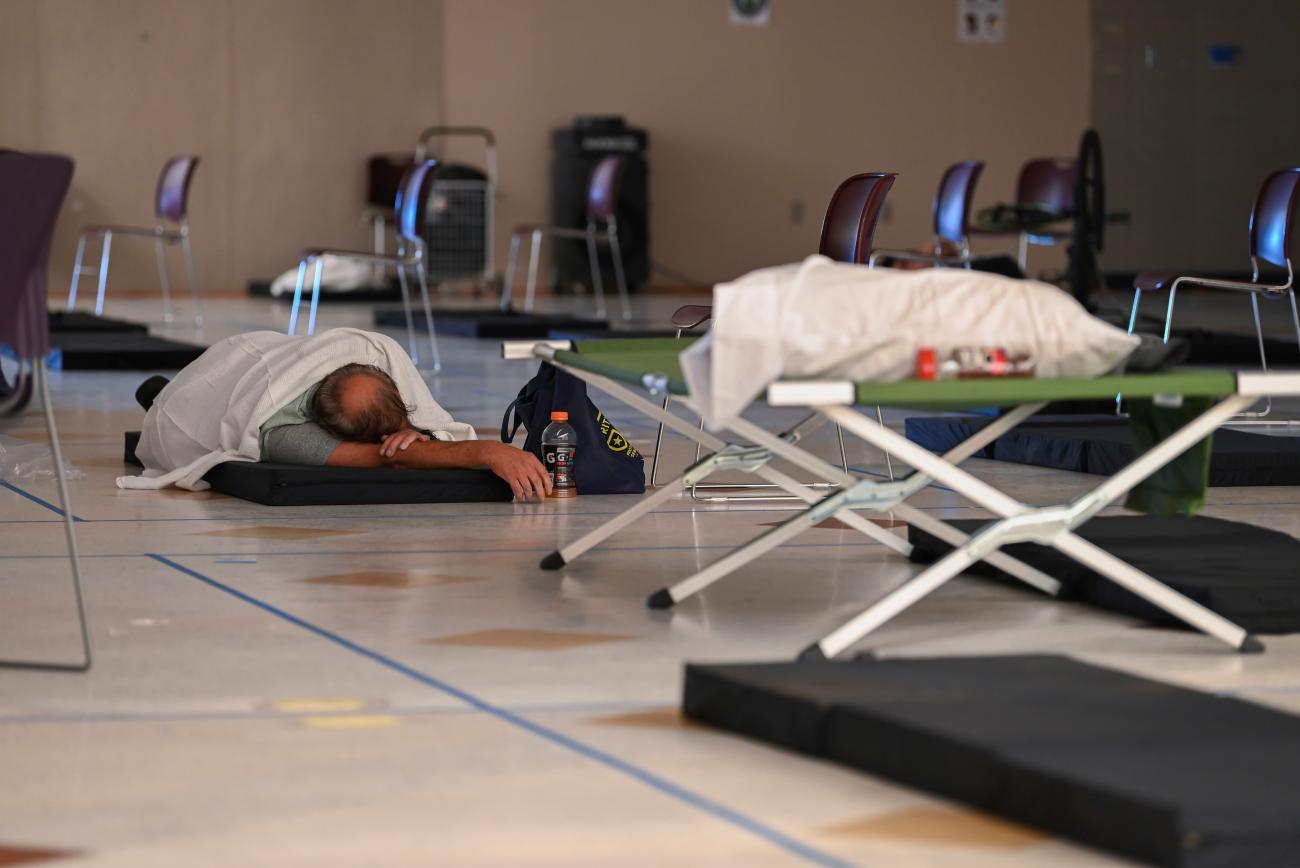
[1247,574]
[297,485]
[384,292]
[492,322]
[1154,772]
[104,350]
[1102,445]
[81,321]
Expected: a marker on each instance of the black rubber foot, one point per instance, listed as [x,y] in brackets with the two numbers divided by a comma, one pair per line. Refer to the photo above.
[812,652]
[553,561]
[660,599]
[1251,646]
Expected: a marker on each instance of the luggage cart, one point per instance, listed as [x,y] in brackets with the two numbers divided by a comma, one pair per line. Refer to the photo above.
[460,221]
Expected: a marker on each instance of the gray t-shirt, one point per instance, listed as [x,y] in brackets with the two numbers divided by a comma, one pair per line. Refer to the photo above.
[304,443]
[291,436]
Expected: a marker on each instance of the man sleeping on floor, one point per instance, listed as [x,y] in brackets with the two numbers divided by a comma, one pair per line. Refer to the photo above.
[343,398]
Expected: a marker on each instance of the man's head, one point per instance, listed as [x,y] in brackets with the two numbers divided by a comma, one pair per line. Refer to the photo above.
[360,404]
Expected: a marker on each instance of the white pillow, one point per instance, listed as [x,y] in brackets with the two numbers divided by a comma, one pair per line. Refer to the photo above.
[827,319]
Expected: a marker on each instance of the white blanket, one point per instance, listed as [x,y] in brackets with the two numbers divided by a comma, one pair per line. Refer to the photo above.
[821,318]
[214,409]
[336,273]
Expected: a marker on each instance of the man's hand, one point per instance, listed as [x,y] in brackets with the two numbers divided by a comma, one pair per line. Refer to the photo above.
[398,441]
[521,469]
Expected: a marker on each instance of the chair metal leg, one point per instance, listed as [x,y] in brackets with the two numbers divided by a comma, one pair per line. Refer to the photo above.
[297,296]
[534,257]
[194,283]
[410,318]
[1022,255]
[1295,316]
[1263,358]
[76,273]
[103,272]
[508,285]
[889,460]
[315,295]
[428,316]
[659,443]
[1133,314]
[593,259]
[1169,312]
[378,271]
[619,278]
[160,254]
[41,374]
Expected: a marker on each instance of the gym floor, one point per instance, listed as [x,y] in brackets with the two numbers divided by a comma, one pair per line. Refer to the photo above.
[401,685]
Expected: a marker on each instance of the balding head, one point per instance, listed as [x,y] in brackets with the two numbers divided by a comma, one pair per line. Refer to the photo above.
[360,404]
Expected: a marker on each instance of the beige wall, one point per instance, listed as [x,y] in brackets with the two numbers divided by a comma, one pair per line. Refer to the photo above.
[744,122]
[283,100]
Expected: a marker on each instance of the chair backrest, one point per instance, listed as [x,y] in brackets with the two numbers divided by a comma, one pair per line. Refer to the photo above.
[952,201]
[172,199]
[1270,222]
[32,188]
[851,217]
[1047,182]
[602,192]
[412,200]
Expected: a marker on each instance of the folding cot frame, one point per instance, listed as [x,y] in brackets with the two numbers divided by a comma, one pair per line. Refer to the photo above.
[833,400]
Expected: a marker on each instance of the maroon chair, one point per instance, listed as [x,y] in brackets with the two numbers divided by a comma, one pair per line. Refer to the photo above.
[846,235]
[1270,241]
[171,205]
[409,208]
[602,207]
[1045,184]
[952,212]
[32,189]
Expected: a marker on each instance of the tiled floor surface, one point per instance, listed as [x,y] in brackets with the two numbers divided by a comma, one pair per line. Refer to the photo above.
[401,685]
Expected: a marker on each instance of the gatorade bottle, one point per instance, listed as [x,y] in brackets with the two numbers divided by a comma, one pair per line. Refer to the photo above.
[559,444]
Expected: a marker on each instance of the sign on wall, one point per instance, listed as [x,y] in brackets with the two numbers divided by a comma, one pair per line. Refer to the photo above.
[981,20]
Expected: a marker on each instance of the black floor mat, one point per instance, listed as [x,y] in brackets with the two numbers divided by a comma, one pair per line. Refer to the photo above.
[1162,774]
[296,485]
[1100,444]
[492,322]
[1247,574]
[81,321]
[100,350]
[390,291]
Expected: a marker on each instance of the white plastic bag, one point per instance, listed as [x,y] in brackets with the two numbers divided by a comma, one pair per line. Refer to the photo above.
[21,461]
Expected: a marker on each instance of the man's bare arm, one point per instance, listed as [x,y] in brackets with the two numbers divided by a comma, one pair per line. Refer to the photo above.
[521,469]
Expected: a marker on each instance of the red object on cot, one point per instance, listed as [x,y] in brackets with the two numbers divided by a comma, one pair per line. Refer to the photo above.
[927,364]
[998,362]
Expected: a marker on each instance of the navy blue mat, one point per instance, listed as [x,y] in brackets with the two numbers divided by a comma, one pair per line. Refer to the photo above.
[1101,445]
[1158,773]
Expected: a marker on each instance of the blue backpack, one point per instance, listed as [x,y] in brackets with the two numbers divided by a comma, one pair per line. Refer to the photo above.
[606,462]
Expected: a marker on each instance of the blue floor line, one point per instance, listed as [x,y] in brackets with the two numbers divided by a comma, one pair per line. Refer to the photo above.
[34,499]
[611,762]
